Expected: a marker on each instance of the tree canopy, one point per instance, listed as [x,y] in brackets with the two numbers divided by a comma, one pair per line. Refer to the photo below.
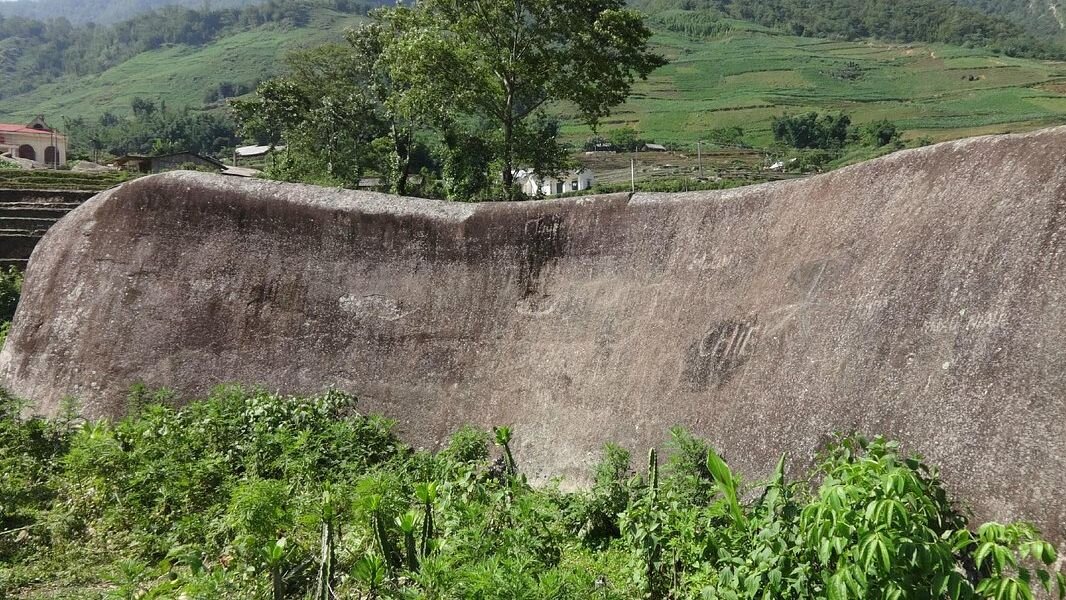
[473,79]
[152,129]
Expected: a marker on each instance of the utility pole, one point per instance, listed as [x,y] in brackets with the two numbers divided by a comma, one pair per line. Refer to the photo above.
[633,173]
[699,155]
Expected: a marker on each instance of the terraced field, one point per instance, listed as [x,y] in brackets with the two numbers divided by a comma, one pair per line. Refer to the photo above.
[748,76]
[45,179]
[179,75]
[743,77]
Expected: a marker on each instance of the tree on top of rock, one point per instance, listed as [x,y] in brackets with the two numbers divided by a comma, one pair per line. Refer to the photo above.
[473,78]
[503,62]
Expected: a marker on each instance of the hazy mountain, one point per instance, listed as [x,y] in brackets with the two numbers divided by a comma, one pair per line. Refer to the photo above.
[1047,17]
[35,53]
[979,23]
[103,11]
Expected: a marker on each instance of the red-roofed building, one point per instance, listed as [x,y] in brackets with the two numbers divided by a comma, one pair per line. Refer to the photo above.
[35,142]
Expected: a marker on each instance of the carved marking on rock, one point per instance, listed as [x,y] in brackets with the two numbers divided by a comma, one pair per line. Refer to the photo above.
[535,305]
[372,307]
[714,358]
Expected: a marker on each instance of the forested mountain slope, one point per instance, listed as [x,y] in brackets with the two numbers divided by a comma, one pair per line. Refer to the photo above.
[1043,17]
[937,21]
[103,12]
[34,53]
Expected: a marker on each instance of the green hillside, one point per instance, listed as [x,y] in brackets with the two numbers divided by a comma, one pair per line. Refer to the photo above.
[180,75]
[743,76]
[101,11]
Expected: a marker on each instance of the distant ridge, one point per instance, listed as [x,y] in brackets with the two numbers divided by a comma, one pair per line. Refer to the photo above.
[103,12]
[1040,17]
[997,25]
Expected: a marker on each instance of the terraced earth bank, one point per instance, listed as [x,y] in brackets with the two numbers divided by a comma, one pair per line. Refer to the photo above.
[920,296]
[25,215]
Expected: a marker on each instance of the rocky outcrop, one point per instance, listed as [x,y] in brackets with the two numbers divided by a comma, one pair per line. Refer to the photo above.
[920,296]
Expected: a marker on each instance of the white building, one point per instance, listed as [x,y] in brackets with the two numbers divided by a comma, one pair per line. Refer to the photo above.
[255,151]
[574,181]
[36,144]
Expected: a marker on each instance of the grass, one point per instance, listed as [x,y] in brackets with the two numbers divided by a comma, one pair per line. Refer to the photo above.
[256,495]
[179,75]
[743,77]
[747,77]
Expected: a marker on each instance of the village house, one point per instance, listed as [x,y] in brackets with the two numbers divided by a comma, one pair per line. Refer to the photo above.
[573,181]
[168,162]
[254,152]
[35,145]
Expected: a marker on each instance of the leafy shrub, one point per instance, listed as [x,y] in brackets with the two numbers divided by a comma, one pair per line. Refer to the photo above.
[849,71]
[249,494]
[878,525]
[468,445]
[625,139]
[880,133]
[812,130]
[595,515]
[727,136]
[29,453]
[10,289]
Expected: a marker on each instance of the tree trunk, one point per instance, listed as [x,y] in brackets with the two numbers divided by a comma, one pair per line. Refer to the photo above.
[277,583]
[427,528]
[402,147]
[508,145]
[511,466]
[324,587]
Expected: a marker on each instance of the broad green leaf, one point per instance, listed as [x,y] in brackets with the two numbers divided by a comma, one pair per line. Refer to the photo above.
[982,553]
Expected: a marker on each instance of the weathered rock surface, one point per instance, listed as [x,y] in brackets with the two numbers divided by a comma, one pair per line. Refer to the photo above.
[920,296]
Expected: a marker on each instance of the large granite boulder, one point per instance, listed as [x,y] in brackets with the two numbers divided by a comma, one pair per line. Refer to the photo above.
[920,296]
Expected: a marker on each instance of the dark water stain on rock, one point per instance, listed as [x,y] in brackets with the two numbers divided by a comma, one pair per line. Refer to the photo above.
[545,243]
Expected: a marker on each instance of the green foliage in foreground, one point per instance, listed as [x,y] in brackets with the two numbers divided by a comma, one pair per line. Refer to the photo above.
[10,290]
[253,495]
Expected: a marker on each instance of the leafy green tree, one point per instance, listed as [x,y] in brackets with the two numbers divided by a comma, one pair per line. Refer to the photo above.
[152,129]
[324,113]
[812,130]
[880,133]
[500,63]
[465,165]
[342,110]
[625,139]
[726,136]
[380,73]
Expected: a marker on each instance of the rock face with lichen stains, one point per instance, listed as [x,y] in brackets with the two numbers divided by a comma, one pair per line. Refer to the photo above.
[920,296]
